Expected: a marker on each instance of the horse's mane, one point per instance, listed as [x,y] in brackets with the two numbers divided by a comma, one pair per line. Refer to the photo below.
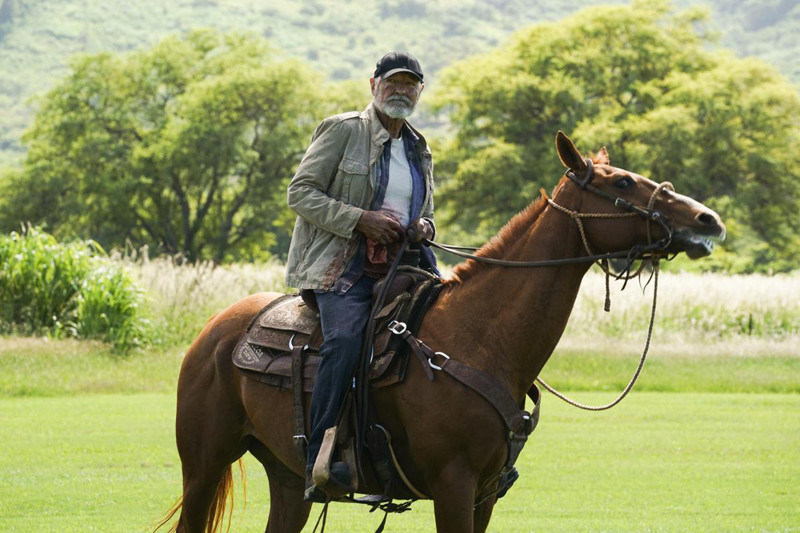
[498,245]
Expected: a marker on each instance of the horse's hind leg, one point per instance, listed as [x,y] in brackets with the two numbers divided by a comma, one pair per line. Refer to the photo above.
[210,438]
[288,513]
[201,491]
[207,480]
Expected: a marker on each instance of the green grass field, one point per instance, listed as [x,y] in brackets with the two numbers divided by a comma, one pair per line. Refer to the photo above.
[42,367]
[709,441]
[659,462]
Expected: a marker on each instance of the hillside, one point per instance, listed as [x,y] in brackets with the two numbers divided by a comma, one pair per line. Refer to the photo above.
[339,38]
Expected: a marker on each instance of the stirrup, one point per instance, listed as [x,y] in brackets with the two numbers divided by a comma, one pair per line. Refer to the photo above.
[338,482]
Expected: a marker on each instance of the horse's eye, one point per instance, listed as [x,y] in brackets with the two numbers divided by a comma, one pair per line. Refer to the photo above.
[623,183]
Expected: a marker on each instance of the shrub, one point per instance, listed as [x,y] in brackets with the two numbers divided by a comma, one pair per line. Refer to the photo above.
[68,290]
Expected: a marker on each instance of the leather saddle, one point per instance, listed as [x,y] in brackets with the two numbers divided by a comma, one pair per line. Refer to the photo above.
[265,350]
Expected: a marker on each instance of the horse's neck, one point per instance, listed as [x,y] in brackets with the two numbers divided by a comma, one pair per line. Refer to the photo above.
[512,318]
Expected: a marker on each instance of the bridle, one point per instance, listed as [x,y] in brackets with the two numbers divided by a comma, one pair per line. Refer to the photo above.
[651,252]
[648,213]
[634,253]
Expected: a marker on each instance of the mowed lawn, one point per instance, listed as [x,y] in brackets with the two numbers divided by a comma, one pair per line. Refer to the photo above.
[677,462]
[40,367]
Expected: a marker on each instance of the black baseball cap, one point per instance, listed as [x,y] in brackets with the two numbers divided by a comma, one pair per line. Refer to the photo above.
[395,62]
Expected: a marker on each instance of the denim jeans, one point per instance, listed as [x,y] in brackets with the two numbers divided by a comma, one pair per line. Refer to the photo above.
[344,318]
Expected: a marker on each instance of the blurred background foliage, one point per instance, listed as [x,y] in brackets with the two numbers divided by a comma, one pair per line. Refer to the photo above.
[340,39]
[187,147]
[645,82]
[183,140]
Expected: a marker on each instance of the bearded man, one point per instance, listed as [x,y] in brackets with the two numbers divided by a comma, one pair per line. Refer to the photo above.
[365,180]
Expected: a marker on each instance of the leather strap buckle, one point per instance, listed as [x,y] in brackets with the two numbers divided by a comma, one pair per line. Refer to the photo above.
[530,425]
[430,361]
[398,328]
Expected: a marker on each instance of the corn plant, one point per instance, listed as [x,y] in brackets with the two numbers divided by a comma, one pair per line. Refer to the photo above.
[68,290]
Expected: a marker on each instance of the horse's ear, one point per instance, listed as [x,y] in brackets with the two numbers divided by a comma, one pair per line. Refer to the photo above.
[601,158]
[568,154]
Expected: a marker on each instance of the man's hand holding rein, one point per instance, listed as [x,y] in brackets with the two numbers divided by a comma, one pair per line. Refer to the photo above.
[379,227]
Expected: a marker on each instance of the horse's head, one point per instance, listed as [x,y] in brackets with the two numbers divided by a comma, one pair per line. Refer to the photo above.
[593,186]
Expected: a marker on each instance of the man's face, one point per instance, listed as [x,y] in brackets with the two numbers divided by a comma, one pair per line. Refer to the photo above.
[397,95]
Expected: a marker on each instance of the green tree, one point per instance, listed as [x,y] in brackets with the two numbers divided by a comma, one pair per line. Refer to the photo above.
[645,82]
[186,147]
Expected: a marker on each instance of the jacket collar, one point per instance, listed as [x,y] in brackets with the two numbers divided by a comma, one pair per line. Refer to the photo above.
[378,132]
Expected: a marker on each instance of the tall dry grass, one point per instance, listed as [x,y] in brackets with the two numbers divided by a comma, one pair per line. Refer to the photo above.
[697,315]
[692,307]
[183,297]
[708,306]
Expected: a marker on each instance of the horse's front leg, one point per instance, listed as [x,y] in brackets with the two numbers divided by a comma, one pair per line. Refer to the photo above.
[453,492]
[482,515]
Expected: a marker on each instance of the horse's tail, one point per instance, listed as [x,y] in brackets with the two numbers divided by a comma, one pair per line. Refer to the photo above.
[224,493]
[216,515]
[168,516]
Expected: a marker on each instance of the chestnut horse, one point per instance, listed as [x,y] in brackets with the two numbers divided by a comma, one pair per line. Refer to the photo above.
[503,321]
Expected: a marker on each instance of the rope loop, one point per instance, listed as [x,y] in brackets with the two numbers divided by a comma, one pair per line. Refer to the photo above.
[632,382]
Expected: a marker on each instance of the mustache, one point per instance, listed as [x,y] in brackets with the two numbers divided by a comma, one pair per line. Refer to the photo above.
[399,98]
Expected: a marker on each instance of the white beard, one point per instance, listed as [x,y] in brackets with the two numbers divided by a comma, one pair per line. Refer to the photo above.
[395,108]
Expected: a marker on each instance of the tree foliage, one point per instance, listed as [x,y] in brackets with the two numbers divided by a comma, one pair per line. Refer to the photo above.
[185,147]
[644,81]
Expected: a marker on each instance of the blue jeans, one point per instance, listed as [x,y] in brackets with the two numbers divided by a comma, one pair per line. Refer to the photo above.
[344,317]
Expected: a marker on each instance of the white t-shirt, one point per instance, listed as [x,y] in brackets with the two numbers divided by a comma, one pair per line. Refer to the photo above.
[398,191]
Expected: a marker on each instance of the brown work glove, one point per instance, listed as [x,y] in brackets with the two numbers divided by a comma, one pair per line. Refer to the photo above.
[420,229]
[380,227]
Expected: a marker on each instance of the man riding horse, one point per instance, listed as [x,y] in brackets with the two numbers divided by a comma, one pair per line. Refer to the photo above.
[365,180]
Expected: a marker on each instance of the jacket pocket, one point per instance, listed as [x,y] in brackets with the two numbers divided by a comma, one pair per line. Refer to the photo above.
[355,176]
[307,244]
